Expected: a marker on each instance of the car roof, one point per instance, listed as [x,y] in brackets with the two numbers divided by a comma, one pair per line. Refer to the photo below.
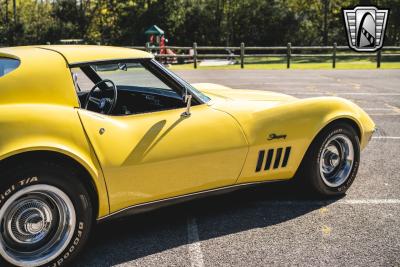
[44,75]
[76,54]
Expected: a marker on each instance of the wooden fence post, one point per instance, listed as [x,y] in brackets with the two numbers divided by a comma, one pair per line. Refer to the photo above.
[289,52]
[378,59]
[242,55]
[195,55]
[334,55]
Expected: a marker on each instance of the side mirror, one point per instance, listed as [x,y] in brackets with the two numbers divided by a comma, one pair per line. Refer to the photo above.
[188,101]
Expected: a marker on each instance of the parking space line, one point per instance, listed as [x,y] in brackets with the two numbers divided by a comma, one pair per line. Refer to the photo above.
[386,137]
[195,253]
[383,114]
[369,201]
[343,93]
[381,109]
[394,108]
[340,201]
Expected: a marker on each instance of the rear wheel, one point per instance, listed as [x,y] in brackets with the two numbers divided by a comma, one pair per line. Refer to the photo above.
[331,163]
[45,212]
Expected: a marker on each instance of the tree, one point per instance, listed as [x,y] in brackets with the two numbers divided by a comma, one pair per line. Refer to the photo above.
[15,10]
[208,22]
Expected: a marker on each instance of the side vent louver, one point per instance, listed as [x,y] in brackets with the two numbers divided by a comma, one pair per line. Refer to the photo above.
[260,160]
[269,158]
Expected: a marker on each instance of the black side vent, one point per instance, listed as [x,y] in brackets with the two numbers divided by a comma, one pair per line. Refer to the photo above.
[269,157]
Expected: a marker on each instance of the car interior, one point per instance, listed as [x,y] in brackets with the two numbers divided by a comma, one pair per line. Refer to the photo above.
[127,88]
[136,100]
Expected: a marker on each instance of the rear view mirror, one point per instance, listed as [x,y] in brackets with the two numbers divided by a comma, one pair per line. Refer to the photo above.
[122,66]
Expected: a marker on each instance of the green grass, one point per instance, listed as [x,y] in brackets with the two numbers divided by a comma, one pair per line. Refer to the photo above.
[272,63]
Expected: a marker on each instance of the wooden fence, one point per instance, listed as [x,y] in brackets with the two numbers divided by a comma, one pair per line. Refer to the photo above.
[241,52]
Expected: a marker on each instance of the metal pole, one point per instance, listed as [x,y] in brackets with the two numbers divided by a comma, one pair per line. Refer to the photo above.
[242,55]
[334,55]
[378,59]
[289,52]
[195,55]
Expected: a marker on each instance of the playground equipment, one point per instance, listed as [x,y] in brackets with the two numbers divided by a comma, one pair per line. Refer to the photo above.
[156,39]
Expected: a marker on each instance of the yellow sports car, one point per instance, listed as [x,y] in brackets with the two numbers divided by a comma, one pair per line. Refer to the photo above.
[92,132]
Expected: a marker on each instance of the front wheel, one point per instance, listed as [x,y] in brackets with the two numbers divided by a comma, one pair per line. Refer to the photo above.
[45,213]
[331,163]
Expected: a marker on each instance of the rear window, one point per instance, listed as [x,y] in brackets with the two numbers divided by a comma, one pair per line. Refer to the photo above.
[7,65]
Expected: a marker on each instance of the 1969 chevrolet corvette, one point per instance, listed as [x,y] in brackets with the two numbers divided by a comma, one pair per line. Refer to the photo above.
[92,132]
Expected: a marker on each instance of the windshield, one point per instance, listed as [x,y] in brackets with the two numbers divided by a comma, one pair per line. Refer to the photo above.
[130,74]
[146,74]
[199,94]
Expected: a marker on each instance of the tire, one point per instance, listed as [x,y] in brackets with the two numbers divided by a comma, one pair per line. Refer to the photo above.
[324,170]
[46,214]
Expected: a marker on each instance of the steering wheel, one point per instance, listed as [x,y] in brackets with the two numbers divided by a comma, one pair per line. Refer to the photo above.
[105,104]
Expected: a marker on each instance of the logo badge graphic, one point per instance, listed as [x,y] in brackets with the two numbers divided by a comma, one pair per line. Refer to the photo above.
[365,27]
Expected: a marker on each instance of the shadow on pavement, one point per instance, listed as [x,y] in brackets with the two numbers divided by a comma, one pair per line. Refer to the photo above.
[142,235]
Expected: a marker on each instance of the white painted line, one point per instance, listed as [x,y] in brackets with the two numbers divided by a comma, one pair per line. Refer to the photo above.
[386,137]
[382,114]
[343,93]
[366,93]
[369,201]
[383,109]
[195,253]
[332,202]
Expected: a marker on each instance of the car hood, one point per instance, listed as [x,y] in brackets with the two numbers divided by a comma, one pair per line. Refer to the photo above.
[248,107]
[268,112]
[220,92]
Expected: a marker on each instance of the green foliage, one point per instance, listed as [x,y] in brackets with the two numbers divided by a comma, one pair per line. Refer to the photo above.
[207,22]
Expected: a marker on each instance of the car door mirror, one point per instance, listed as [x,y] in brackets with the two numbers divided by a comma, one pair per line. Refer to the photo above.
[188,101]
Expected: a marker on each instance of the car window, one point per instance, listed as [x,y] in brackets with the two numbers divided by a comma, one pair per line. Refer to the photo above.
[82,82]
[7,65]
[130,74]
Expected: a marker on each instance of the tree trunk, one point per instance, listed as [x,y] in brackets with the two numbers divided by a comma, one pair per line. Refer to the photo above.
[326,4]
[7,12]
[15,10]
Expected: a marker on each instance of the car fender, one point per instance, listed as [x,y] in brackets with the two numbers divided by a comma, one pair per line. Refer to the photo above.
[50,128]
[294,124]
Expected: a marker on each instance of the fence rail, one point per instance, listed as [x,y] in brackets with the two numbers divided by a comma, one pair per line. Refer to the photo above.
[243,52]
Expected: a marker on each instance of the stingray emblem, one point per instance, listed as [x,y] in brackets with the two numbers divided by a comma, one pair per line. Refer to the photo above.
[276,136]
[365,27]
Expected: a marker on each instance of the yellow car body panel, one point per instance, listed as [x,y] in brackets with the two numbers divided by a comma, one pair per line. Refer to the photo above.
[135,159]
[152,156]
[34,127]
[42,77]
[261,113]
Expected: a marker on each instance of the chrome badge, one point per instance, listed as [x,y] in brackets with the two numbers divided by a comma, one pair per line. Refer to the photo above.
[365,27]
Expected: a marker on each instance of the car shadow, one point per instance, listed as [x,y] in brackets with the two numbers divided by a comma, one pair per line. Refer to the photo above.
[131,238]
[150,140]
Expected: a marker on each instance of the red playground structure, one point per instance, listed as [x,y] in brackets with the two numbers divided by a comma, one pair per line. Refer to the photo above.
[156,39]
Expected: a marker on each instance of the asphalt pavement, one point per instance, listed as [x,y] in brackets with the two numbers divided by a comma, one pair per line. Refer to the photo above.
[276,224]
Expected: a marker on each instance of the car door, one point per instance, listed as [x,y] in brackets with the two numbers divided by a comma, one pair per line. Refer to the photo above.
[158,155]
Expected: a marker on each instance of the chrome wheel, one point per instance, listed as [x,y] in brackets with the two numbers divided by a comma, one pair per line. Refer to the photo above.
[36,226]
[336,160]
